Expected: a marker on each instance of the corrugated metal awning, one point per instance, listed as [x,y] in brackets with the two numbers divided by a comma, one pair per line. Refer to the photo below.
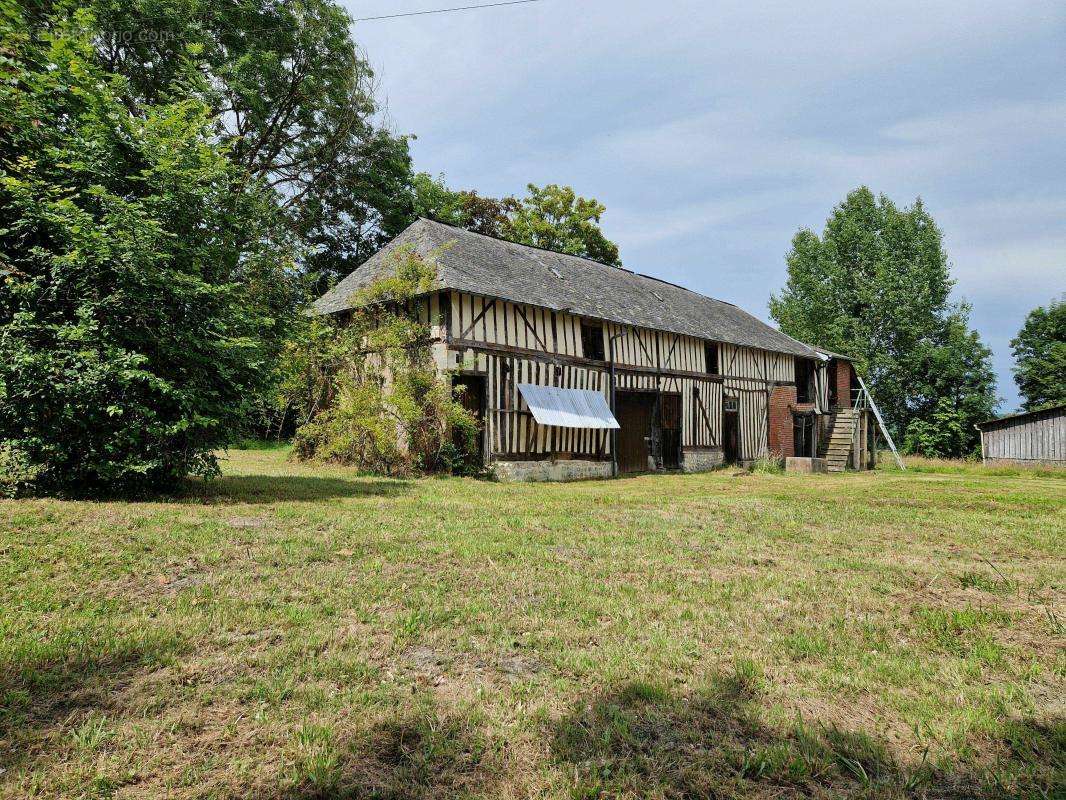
[568,408]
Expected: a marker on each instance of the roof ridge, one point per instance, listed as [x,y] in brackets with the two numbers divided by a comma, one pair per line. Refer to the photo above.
[523,244]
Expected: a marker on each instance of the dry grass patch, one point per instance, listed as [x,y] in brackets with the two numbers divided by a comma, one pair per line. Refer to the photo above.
[296,632]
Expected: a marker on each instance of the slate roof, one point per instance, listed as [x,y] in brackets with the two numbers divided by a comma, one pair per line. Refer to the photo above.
[478,264]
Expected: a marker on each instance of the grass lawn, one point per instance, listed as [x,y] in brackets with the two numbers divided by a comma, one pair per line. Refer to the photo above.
[293,632]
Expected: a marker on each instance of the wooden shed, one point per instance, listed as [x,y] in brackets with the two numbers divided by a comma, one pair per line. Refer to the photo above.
[684,381]
[1035,437]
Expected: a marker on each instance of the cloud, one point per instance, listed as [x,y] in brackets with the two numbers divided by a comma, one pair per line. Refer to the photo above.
[713,131]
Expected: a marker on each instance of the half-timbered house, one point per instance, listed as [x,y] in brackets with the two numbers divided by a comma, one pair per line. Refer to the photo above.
[579,369]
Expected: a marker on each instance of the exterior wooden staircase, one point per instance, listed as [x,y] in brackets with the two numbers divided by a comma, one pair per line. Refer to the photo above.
[836,449]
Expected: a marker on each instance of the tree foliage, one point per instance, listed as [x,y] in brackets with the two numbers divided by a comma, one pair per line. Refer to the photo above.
[176,178]
[1040,357]
[293,98]
[463,208]
[375,398]
[290,96]
[876,286]
[553,217]
[140,268]
[556,218]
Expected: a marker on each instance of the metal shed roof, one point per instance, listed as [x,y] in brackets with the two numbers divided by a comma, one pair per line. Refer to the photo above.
[568,408]
[1020,416]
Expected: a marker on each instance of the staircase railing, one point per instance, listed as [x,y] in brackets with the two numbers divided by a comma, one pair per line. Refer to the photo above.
[881,423]
[857,406]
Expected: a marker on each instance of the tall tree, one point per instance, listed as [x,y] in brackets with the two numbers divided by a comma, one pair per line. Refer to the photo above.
[464,208]
[1040,357]
[553,217]
[876,286]
[556,218]
[292,100]
[140,270]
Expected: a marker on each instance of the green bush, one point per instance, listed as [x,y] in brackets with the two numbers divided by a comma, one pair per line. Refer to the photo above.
[943,435]
[374,397]
[130,333]
[769,464]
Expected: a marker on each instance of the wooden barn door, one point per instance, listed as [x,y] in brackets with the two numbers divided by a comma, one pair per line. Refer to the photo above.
[635,412]
[671,431]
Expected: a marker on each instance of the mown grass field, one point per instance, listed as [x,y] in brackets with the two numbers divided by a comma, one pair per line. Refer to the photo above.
[293,632]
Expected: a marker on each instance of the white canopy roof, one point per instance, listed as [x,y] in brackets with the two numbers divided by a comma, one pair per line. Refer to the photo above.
[568,408]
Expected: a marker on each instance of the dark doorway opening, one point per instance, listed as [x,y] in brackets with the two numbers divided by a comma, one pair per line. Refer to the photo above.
[470,391]
[635,412]
[803,435]
[671,431]
[831,376]
[730,429]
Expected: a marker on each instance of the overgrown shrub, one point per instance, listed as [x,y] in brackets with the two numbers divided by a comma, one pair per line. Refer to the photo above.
[771,464]
[373,396]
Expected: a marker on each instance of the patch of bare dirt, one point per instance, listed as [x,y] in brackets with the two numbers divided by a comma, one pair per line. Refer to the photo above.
[253,523]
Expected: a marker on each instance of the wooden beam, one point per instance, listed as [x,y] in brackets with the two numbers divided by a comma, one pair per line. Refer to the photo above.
[481,315]
[706,417]
[670,355]
[558,358]
[521,313]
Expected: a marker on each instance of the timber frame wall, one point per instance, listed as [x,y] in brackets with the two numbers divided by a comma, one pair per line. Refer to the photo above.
[510,343]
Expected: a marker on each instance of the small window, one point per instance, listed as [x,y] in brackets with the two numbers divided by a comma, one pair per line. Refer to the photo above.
[710,357]
[804,380]
[731,405]
[592,340]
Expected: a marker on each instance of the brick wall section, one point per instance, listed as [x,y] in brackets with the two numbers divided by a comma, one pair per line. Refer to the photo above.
[781,401]
[844,383]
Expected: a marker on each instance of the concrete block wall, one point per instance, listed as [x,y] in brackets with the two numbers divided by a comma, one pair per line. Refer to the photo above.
[701,459]
[519,471]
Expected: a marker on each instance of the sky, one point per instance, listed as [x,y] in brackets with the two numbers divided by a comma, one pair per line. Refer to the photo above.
[713,131]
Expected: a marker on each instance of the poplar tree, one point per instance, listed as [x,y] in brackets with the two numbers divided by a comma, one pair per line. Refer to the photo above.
[876,286]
